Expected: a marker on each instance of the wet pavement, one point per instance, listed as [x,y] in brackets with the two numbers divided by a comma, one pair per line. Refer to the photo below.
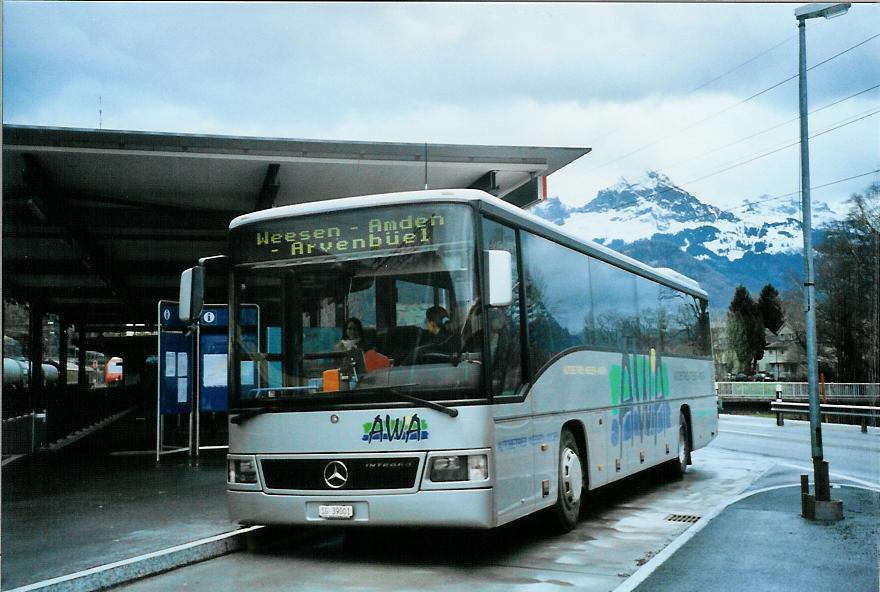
[622,527]
[84,507]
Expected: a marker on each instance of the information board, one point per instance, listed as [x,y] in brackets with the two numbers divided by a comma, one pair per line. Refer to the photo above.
[214,355]
[175,362]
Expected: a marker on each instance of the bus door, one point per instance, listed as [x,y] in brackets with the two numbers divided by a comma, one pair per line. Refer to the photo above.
[515,491]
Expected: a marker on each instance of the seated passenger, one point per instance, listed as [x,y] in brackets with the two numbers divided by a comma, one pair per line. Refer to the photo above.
[353,338]
[352,335]
[437,338]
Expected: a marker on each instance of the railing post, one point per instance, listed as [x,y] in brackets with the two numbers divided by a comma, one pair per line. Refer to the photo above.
[779,420]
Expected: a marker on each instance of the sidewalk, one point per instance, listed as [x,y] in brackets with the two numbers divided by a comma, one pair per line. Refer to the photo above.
[82,507]
[760,542]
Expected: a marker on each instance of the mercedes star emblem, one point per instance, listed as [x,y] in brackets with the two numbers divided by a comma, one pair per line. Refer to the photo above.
[335,474]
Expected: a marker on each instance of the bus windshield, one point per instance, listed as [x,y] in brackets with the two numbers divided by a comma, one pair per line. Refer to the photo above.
[359,306]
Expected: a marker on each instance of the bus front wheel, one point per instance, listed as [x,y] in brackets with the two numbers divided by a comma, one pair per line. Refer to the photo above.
[678,465]
[571,482]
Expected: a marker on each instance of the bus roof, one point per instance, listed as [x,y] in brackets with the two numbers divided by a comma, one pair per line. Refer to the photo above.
[492,205]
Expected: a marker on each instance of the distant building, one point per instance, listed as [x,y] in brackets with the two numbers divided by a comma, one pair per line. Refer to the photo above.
[724,360]
[784,357]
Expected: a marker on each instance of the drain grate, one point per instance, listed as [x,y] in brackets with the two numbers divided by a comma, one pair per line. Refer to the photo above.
[682,518]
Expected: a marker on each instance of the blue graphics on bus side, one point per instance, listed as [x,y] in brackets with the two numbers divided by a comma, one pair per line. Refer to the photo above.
[639,398]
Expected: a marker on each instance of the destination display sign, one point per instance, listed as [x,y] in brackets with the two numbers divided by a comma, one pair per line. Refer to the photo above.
[350,232]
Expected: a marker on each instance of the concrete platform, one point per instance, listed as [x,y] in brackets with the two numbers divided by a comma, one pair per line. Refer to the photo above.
[85,506]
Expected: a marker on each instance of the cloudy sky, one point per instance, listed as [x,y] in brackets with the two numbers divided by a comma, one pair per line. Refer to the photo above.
[695,91]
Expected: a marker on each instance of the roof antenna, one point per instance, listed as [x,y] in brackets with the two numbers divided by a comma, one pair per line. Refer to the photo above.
[426,166]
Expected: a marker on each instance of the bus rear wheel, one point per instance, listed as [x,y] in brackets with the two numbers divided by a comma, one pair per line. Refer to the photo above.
[571,483]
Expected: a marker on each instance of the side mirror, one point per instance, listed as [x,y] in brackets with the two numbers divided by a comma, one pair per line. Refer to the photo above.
[192,294]
[500,278]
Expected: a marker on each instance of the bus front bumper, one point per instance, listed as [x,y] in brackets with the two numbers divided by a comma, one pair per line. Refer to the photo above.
[461,508]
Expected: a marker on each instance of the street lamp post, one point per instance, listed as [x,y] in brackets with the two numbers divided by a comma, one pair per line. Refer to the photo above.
[818,506]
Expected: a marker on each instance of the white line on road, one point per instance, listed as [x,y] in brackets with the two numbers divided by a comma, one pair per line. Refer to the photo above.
[720,432]
[868,484]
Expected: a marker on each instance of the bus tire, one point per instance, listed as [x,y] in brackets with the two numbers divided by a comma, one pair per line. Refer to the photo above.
[678,465]
[570,483]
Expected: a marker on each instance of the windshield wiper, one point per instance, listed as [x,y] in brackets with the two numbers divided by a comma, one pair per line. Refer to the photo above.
[429,404]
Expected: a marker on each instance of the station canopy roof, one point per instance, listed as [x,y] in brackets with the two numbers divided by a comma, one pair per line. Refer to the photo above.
[98,224]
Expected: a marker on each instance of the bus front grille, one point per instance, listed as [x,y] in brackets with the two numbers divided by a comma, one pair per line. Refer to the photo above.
[343,474]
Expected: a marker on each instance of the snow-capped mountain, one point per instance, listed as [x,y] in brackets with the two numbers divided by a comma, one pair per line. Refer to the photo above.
[628,212]
[660,223]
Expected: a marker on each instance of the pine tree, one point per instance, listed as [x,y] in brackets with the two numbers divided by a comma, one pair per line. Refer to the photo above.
[770,308]
[746,330]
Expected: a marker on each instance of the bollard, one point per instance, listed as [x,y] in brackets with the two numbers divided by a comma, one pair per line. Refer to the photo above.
[864,425]
[808,502]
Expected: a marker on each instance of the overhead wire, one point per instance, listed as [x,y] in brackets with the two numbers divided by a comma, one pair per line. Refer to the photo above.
[855,119]
[719,77]
[745,63]
[702,155]
[794,193]
[732,106]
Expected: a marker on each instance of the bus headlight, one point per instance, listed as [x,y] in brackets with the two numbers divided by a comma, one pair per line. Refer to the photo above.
[241,470]
[459,468]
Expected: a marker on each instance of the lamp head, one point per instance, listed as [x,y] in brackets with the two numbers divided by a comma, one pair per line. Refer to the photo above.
[823,9]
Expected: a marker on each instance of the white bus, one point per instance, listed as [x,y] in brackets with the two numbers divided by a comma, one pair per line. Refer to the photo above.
[444,358]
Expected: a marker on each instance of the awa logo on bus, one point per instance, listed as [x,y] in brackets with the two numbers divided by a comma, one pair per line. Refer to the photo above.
[639,392]
[406,429]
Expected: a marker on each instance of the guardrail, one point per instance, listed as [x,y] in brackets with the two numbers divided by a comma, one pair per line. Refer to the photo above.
[863,412]
[743,392]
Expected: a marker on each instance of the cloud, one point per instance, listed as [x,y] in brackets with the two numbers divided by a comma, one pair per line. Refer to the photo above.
[615,77]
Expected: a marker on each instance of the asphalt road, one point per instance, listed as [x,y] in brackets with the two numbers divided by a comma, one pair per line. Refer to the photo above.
[850,453]
[622,527]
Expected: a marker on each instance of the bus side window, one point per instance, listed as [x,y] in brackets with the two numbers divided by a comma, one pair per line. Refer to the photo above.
[651,316]
[558,289]
[615,310]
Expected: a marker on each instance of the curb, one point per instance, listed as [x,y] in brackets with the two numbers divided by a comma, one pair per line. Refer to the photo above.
[149,564]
